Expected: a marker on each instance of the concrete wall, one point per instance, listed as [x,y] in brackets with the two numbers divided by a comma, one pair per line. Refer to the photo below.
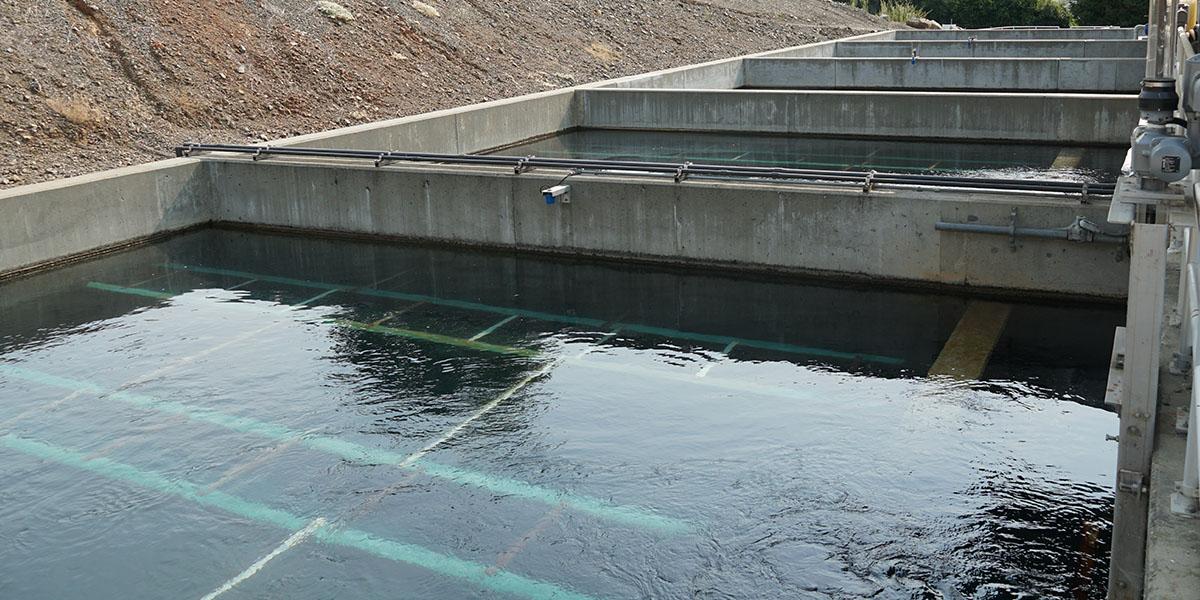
[839,231]
[993,49]
[1077,33]
[456,131]
[48,222]
[746,226]
[985,74]
[1057,118]
[725,73]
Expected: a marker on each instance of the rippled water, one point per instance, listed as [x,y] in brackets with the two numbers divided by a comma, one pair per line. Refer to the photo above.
[1004,161]
[175,414]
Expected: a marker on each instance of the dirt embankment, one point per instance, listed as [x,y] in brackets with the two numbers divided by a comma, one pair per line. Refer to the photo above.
[87,85]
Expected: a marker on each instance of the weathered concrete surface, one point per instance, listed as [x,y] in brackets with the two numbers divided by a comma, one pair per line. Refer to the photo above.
[1076,33]
[726,75]
[833,231]
[993,49]
[1059,118]
[984,74]
[456,131]
[51,221]
[1172,541]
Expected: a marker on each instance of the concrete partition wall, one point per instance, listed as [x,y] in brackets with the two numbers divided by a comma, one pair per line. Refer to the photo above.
[1053,118]
[1074,33]
[725,73]
[985,74]
[456,131]
[993,49]
[792,229]
[46,223]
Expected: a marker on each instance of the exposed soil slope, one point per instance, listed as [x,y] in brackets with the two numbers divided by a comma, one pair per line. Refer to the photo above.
[93,84]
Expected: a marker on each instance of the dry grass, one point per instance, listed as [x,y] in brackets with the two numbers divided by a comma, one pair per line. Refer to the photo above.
[902,12]
[80,111]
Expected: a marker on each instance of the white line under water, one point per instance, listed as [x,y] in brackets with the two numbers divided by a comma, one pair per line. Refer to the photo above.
[258,565]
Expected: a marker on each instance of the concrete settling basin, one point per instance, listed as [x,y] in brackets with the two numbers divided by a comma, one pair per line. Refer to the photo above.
[796,324]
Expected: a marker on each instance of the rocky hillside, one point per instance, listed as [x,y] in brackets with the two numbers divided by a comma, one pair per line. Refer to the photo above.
[94,84]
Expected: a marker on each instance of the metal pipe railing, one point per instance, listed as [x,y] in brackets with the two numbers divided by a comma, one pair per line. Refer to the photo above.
[680,171]
[1186,500]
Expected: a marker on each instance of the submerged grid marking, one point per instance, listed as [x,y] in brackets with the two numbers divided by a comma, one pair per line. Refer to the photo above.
[366,455]
[543,316]
[471,572]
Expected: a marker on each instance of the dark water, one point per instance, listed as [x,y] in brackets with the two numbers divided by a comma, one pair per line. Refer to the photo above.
[176,415]
[1008,161]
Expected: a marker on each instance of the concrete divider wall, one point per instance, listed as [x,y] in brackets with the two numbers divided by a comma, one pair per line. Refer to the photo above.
[1076,33]
[1057,118]
[887,234]
[988,74]
[456,131]
[51,221]
[725,73]
[993,49]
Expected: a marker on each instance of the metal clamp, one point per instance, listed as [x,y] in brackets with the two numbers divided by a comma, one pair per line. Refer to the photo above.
[522,165]
[869,182]
[682,172]
[259,153]
[382,158]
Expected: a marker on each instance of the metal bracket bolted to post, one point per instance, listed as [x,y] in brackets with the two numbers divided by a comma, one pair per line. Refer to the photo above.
[1131,482]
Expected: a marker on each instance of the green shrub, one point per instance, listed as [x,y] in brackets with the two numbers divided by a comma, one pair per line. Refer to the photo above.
[974,14]
[1125,13]
[901,11]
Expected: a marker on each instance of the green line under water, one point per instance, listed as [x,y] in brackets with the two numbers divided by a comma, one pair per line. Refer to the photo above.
[437,338]
[358,453]
[366,291]
[133,291]
[457,568]
[673,333]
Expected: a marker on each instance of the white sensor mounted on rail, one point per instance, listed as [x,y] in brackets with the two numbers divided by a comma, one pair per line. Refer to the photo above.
[558,193]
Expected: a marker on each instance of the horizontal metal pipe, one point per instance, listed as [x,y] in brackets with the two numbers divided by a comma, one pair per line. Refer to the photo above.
[1032,232]
[680,171]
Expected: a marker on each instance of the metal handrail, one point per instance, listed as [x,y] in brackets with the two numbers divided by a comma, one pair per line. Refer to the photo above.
[1186,500]
[867,179]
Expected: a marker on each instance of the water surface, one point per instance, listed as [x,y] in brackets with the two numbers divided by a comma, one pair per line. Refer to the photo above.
[451,424]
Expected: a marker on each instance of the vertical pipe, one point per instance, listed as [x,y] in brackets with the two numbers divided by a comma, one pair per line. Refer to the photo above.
[1184,355]
[1191,464]
[1160,35]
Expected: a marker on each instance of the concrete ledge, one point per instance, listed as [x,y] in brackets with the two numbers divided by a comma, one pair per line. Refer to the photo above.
[985,74]
[792,229]
[57,221]
[993,49]
[456,131]
[1074,33]
[1058,118]
[724,73]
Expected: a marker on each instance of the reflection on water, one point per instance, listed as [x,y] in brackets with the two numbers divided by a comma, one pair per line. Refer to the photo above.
[1006,161]
[485,425]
